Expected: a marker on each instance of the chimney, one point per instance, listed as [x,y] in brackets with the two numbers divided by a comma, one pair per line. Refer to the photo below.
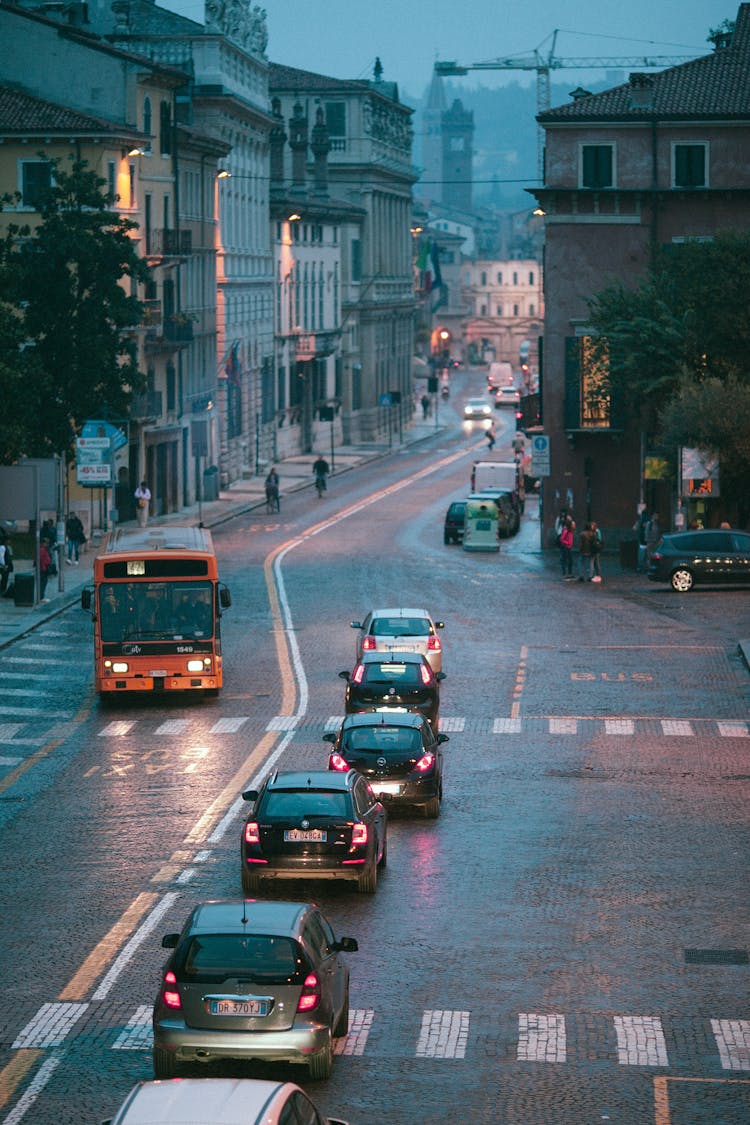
[579,93]
[320,144]
[641,91]
[121,12]
[298,145]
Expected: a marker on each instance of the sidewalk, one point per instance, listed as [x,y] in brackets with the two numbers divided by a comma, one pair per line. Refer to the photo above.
[242,496]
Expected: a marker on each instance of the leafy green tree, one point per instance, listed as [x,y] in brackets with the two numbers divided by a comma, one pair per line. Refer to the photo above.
[65,294]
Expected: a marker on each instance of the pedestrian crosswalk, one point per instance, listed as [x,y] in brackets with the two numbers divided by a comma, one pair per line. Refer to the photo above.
[540,1037]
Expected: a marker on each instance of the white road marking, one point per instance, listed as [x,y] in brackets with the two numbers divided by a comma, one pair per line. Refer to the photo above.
[733,1040]
[49,1026]
[138,1035]
[28,712]
[619,726]
[8,730]
[10,761]
[126,953]
[506,726]
[228,726]
[355,1040]
[733,730]
[443,1035]
[37,1084]
[451,725]
[174,726]
[640,1041]
[541,1038]
[563,726]
[117,728]
[283,722]
[186,875]
[676,727]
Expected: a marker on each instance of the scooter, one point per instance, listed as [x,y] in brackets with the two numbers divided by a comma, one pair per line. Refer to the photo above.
[445,391]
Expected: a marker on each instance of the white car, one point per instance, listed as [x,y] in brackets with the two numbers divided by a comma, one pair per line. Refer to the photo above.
[401,630]
[217,1101]
[507,396]
[477,408]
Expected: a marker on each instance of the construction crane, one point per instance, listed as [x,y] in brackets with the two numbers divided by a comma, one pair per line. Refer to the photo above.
[544,64]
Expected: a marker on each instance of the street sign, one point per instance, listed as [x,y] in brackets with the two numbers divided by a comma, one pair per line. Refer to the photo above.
[540,455]
[94,461]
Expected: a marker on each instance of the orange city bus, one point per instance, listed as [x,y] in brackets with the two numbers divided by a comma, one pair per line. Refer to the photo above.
[156,606]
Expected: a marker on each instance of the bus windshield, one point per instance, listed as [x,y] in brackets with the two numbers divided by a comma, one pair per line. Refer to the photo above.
[155,611]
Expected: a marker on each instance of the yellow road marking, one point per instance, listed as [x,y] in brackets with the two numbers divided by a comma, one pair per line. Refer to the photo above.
[515,708]
[200,831]
[661,1093]
[16,1070]
[23,767]
[92,968]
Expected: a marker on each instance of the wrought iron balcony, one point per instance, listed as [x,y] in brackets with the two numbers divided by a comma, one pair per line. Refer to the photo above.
[164,243]
[146,407]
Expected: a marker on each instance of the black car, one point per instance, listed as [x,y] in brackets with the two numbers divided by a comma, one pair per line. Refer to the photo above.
[397,753]
[712,556]
[394,682]
[453,531]
[314,825]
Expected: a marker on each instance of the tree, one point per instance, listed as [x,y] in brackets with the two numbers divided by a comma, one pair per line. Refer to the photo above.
[64,306]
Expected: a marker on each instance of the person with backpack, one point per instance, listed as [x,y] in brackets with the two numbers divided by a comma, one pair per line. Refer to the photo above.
[566,539]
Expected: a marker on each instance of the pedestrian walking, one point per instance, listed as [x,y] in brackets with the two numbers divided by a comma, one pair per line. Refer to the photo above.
[6,562]
[586,554]
[272,491]
[45,569]
[142,501]
[425,406]
[491,437]
[597,546]
[566,548]
[75,537]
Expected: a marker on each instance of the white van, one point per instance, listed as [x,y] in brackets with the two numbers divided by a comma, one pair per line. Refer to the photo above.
[217,1101]
[499,375]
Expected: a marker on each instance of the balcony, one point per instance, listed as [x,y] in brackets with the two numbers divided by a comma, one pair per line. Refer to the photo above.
[315,345]
[178,329]
[161,243]
[146,407]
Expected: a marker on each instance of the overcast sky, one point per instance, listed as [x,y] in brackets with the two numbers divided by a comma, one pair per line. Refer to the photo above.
[341,38]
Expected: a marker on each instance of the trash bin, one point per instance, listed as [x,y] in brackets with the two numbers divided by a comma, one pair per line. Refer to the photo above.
[23,588]
[211,483]
[629,554]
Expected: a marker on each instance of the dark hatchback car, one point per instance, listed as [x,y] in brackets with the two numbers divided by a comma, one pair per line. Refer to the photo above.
[398,754]
[688,558]
[389,682]
[453,530]
[253,981]
[313,825]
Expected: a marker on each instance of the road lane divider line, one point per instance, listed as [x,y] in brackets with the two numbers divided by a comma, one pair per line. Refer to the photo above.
[83,980]
[14,1072]
[35,1087]
[126,954]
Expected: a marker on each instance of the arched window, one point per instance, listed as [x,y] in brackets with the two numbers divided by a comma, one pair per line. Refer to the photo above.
[147,122]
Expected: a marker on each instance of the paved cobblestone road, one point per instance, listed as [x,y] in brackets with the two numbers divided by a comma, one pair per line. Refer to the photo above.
[567,943]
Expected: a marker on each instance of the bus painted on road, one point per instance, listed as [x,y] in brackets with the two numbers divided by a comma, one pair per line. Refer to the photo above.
[156,605]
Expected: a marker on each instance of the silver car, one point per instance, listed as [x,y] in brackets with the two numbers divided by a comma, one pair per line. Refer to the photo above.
[401,630]
[252,980]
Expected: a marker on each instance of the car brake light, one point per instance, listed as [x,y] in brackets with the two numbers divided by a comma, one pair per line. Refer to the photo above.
[359,834]
[252,833]
[426,673]
[426,762]
[336,762]
[434,645]
[358,673]
[310,997]
[170,996]
[369,644]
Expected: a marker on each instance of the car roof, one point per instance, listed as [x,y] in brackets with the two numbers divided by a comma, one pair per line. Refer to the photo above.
[193,1101]
[310,779]
[399,611]
[372,656]
[248,916]
[383,719]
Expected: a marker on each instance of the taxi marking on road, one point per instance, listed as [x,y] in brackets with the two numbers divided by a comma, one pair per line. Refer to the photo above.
[640,1041]
[50,1026]
[355,1040]
[443,1034]
[541,1038]
[733,1040]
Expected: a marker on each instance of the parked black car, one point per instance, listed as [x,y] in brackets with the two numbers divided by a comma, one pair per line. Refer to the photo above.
[689,557]
[453,531]
[397,753]
[394,682]
[312,824]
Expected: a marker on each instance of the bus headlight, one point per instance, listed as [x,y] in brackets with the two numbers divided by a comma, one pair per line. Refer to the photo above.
[119,667]
[199,665]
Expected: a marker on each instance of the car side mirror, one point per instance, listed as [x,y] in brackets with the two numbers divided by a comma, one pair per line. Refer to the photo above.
[343,675]
[250,795]
[169,941]
[329,736]
[86,598]
[355,624]
[347,944]
[440,675]
[439,624]
[443,738]
[225,597]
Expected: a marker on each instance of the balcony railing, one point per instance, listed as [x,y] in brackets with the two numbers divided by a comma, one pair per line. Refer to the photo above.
[315,345]
[178,330]
[169,243]
[146,407]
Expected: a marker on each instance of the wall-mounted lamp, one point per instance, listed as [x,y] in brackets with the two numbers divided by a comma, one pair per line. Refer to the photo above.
[538,211]
[294,217]
[223,174]
[136,150]
[416,230]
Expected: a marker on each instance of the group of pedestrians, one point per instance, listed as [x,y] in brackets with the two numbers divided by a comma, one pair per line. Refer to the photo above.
[590,545]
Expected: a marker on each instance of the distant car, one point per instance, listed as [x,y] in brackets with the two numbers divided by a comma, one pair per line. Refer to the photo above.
[688,558]
[400,629]
[507,396]
[218,1101]
[252,980]
[477,408]
[394,682]
[310,825]
[399,755]
[453,530]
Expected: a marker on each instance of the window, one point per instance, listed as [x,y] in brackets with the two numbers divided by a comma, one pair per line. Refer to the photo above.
[36,181]
[356,260]
[689,166]
[587,398]
[531,277]
[147,123]
[499,310]
[336,119]
[532,310]
[596,166]
[111,179]
[483,278]
[165,129]
[515,277]
[515,310]
[500,279]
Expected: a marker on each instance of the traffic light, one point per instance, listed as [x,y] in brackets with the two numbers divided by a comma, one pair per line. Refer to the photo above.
[432,384]
[395,398]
